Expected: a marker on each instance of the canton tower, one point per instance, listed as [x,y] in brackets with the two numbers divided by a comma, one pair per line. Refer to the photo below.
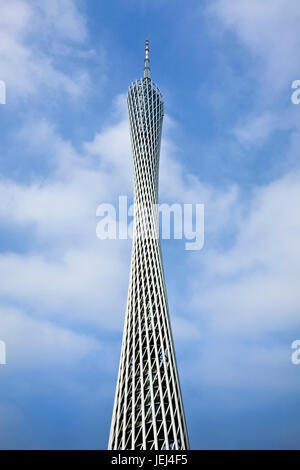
[148,410]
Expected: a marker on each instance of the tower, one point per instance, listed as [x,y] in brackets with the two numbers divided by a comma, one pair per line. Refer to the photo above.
[148,410]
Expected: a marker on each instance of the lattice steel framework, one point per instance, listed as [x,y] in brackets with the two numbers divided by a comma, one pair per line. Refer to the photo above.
[148,410]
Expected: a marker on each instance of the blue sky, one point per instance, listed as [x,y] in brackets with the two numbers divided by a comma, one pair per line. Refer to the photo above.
[230,140]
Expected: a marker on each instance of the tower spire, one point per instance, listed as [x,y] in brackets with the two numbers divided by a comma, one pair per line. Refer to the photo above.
[147,68]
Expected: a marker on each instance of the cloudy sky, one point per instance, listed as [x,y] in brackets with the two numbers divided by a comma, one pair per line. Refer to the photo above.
[231,140]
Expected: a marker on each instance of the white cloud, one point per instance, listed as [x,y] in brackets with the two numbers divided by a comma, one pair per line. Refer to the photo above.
[254,284]
[32,342]
[69,271]
[112,146]
[270,29]
[185,330]
[80,285]
[63,206]
[31,33]
[236,363]
[63,18]
[258,128]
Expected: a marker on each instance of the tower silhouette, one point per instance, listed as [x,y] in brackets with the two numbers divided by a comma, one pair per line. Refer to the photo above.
[148,410]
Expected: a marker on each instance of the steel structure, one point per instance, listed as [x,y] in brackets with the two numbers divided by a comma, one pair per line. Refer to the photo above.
[148,410]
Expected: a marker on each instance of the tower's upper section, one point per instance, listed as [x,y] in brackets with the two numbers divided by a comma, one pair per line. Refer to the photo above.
[146,94]
[146,107]
[146,110]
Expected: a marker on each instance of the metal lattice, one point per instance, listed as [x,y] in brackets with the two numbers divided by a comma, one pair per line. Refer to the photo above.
[148,411]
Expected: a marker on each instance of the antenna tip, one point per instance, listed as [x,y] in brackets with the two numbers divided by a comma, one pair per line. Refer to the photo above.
[147,49]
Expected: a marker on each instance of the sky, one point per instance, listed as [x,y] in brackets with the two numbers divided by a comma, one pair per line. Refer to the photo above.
[231,139]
